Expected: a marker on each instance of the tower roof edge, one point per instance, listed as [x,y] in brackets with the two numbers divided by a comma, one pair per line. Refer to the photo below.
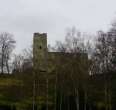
[36,34]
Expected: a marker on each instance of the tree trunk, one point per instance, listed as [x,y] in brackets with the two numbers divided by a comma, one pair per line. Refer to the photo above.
[106,98]
[60,101]
[68,103]
[85,100]
[2,63]
[110,104]
[77,99]
[47,101]
[34,94]
[109,96]
[55,92]
[7,66]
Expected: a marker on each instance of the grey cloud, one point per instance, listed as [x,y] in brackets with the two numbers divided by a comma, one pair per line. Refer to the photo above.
[24,17]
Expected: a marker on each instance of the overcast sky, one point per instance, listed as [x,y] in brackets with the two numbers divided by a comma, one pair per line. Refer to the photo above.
[24,17]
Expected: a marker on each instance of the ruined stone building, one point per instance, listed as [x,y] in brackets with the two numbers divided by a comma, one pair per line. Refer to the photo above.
[48,66]
[41,88]
[53,81]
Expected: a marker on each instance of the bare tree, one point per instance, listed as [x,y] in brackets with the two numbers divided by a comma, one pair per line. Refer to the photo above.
[17,64]
[102,61]
[7,44]
[28,53]
[74,43]
[23,61]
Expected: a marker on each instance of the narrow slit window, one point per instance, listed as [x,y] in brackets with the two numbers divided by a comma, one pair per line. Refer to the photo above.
[40,47]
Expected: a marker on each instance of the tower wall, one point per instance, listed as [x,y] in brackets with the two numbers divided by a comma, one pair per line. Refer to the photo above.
[40,69]
[40,51]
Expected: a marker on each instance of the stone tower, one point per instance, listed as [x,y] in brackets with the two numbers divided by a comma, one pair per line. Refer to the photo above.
[40,51]
[40,69]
